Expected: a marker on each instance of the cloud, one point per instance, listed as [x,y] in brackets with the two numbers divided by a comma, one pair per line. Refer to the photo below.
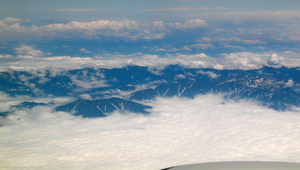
[180,76]
[232,46]
[290,83]
[240,40]
[28,51]
[78,10]
[168,48]
[89,30]
[13,19]
[5,56]
[274,59]
[180,9]
[101,29]
[249,16]
[190,24]
[84,50]
[210,74]
[177,131]
[202,46]
[30,60]
[85,96]
[85,84]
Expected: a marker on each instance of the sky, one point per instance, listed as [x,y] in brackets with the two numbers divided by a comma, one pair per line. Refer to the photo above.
[60,35]
[101,28]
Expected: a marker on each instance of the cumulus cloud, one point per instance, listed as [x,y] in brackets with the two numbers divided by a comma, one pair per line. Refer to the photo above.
[290,83]
[190,24]
[28,51]
[84,50]
[177,131]
[274,59]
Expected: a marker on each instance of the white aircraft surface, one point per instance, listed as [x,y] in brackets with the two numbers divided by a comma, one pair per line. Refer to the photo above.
[240,165]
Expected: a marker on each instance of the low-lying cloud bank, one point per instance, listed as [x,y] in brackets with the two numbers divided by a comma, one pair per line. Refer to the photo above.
[29,58]
[178,131]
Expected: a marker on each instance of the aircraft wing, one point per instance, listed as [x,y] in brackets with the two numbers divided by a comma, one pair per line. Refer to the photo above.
[240,165]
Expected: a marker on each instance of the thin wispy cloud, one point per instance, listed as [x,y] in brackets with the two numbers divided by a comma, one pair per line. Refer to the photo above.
[78,10]
[181,9]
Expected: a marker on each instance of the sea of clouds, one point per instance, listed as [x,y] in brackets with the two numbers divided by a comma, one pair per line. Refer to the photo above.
[177,131]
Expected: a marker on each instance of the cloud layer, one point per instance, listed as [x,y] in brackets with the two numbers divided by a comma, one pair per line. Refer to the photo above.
[32,59]
[125,29]
[178,131]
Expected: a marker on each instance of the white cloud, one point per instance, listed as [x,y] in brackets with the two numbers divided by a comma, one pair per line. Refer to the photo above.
[290,83]
[96,25]
[125,29]
[232,46]
[78,10]
[201,46]
[240,40]
[85,84]
[159,25]
[274,59]
[5,56]
[180,76]
[11,19]
[181,9]
[206,39]
[243,60]
[85,96]
[189,24]
[246,16]
[91,30]
[168,49]
[84,50]
[178,131]
[28,51]
[210,74]
[158,49]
